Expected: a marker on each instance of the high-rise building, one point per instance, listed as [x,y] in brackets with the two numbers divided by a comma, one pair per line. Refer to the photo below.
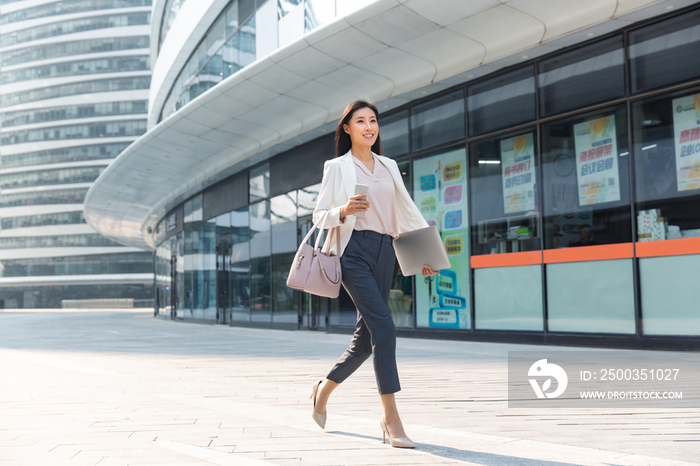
[74,80]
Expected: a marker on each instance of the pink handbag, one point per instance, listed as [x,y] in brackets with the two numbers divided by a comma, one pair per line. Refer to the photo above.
[314,271]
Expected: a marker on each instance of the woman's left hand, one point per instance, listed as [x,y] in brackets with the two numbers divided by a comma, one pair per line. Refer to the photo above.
[428,272]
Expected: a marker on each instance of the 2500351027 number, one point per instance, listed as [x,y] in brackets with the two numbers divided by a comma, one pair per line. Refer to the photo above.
[639,374]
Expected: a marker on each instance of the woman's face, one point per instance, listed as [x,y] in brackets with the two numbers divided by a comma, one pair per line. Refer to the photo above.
[363,128]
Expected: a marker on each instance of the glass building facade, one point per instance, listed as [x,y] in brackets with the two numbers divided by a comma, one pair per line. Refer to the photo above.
[74,81]
[566,190]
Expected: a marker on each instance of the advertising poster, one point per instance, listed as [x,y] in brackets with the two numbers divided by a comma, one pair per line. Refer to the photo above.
[686,131]
[596,161]
[518,173]
[440,192]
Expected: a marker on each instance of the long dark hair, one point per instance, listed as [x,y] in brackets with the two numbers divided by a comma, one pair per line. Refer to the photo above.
[343,143]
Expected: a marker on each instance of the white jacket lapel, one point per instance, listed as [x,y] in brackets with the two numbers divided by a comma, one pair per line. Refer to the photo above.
[349,174]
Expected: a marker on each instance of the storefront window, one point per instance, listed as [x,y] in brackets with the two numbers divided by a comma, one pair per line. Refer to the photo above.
[209,270]
[440,192]
[438,121]
[586,180]
[283,220]
[585,76]
[394,133]
[260,274]
[240,265]
[587,205]
[665,52]
[667,184]
[503,101]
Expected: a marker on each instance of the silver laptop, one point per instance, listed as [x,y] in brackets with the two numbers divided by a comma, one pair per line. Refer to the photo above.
[421,247]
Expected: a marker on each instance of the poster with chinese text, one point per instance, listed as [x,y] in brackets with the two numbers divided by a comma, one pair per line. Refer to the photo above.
[440,192]
[518,173]
[686,135]
[597,172]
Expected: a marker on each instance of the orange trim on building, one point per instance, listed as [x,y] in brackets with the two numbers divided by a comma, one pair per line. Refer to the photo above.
[510,259]
[589,253]
[669,247]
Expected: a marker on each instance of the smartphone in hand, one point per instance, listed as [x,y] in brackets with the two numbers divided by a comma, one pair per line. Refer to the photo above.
[361,189]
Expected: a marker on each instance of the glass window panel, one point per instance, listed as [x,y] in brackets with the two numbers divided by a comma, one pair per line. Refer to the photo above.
[291,21]
[223,224]
[181,283]
[260,302]
[229,57]
[306,200]
[232,19]
[668,287]
[260,182]
[585,76]
[189,272]
[209,270]
[198,273]
[508,298]
[591,297]
[393,130]
[667,165]
[240,265]
[247,45]
[504,187]
[440,192]
[586,180]
[438,121]
[245,9]
[318,13]
[503,101]
[283,220]
[665,52]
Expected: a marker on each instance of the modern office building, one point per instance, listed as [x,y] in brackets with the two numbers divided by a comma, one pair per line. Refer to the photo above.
[555,144]
[74,81]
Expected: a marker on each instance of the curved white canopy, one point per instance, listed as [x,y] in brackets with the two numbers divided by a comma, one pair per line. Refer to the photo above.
[384,50]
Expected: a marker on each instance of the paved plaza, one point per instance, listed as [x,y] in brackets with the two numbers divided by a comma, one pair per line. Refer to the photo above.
[124,388]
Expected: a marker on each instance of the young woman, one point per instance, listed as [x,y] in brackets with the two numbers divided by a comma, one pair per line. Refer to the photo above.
[367,255]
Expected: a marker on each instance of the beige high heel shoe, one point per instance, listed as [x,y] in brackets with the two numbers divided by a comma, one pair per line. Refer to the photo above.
[396,442]
[319,418]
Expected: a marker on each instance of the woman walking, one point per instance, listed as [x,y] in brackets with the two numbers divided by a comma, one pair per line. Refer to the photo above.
[366,255]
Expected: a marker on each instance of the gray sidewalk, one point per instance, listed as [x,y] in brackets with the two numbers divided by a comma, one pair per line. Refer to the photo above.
[122,388]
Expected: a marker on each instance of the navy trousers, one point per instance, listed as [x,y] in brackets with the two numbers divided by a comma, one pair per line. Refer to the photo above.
[368,267]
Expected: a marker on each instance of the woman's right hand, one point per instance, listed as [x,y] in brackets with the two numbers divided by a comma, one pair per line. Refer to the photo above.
[356,203]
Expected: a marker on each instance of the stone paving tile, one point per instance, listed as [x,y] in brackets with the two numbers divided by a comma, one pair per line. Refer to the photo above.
[123,389]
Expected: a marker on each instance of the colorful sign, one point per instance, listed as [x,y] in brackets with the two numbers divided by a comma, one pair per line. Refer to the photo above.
[441,194]
[596,161]
[686,133]
[518,173]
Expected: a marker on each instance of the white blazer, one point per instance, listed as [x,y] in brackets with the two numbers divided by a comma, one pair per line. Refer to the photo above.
[339,179]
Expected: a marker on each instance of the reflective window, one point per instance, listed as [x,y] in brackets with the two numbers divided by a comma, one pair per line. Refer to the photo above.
[70,6]
[586,180]
[283,220]
[240,265]
[665,52]
[207,291]
[73,26]
[260,182]
[54,196]
[88,240]
[72,68]
[504,188]
[260,275]
[585,76]
[508,298]
[26,221]
[394,133]
[137,262]
[73,112]
[88,130]
[438,121]
[88,87]
[193,210]
[170,11]
[64,49]
[318,13]
[49,177]
[440,192]
[503,101]
[667,166]
[68,154]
